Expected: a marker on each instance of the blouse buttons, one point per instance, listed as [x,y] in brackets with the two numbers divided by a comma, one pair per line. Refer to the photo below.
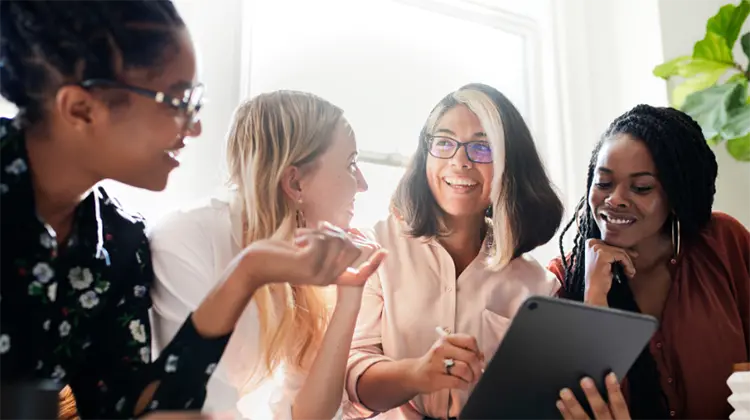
[670,380]
[672,413]
[658,345]
[448,289]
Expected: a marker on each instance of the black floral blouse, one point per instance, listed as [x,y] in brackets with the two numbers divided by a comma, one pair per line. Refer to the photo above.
[79,314]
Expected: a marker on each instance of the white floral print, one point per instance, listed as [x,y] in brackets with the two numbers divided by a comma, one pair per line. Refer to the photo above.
[35,288]
[58,373]
[39,365]
[171,365]
[139,291]
[43,272]
[64,328]
[138,330]
[4,343]
[46,324]
[16,167]
[52,292]
[145,354]
[120,404]
[89,299]
[210,369]
[3,189]
[46,240]
[80,278]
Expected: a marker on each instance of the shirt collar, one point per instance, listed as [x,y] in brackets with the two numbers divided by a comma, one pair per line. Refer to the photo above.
[17,191]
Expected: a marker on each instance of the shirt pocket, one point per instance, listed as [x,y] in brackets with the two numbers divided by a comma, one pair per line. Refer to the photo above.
[494,327]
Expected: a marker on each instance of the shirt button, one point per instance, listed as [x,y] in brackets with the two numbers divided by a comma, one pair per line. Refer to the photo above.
[672,413]
[669,380]
[658,345]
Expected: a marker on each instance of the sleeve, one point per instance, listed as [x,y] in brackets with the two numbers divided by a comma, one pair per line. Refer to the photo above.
[118,371]
[366,345]
[185,270]
[736,240]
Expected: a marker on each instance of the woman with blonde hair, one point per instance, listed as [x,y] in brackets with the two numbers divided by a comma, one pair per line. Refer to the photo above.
[474,200]
[293,163]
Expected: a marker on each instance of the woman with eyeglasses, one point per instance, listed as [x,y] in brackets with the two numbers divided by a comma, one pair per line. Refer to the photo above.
[106,90]
[474,200]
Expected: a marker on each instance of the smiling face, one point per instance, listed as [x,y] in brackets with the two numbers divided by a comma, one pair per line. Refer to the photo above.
[460,187]
[329,188]
[626,197]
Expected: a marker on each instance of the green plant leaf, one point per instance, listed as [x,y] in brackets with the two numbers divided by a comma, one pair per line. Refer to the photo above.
[713,47]
[710,107]
[715,140]
[738,123]
[694,84]
[671,67]
[727,23]
[739,148]
[745,41]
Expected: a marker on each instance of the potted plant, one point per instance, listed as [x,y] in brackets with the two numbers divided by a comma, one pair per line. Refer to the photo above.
[712,88]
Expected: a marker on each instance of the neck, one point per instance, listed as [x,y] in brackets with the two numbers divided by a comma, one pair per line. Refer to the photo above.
[464,241]
[652,252]
[59,184]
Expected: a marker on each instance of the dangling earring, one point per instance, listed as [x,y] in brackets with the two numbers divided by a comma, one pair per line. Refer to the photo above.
[488,212]
[300,216]
[675,239]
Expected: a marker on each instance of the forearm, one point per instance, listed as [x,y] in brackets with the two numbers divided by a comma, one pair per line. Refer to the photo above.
[387,385]
[320,396]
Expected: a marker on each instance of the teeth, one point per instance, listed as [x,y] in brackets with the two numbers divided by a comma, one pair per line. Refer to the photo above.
[619,221]
[172,153]
[462,182]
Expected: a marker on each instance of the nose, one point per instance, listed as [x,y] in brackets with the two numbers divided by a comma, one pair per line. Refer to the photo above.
[461,158]
[194,130]
[618,198]
[361,182]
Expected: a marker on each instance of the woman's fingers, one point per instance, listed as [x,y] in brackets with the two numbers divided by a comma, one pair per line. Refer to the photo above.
[572,407]
[598,406]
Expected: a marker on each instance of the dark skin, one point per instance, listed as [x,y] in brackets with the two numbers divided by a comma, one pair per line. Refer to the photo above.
[83,140]
[630,208]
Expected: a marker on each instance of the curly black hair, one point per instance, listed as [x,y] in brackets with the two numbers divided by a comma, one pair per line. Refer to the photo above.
[47,44]
[687,169]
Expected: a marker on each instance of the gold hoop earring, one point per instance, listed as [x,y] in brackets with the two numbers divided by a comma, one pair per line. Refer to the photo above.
[676,239]
[300,216]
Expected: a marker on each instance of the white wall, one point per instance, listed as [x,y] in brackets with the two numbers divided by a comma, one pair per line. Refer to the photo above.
[683,23]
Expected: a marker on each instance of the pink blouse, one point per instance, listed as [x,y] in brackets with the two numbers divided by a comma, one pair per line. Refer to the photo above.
[416,290]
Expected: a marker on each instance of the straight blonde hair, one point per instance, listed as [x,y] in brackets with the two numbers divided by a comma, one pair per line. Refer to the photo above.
[270,133]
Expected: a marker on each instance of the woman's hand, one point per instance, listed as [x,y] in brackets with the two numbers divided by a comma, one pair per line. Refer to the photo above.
[431,374]
[319,257]
[617,409]
[370,259]
[599,259]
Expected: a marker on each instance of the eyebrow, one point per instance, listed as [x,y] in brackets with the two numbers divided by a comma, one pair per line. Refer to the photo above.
[450,133]
[633,175]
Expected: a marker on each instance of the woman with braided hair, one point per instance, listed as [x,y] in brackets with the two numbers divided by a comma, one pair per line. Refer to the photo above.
[107,90]
[647,210]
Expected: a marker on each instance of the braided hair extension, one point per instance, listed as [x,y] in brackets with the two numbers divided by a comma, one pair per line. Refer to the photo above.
[687,169]
[47,44]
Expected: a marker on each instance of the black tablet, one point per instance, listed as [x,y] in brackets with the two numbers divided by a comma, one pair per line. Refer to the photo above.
[550,345]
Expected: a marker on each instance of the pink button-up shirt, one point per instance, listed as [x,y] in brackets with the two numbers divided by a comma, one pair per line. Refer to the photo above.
[416,290]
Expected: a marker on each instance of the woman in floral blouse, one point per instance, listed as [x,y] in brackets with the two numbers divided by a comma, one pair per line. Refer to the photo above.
[106,90]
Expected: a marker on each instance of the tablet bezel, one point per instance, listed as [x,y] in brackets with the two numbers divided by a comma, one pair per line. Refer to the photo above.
[540,354]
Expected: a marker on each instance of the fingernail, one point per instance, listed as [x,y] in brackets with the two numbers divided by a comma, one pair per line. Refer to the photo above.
[612,379]
[587,383]
[566,394]
[560,405]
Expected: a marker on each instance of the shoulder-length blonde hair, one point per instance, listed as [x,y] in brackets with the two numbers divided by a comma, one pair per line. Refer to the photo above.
[526,211]
[270,133]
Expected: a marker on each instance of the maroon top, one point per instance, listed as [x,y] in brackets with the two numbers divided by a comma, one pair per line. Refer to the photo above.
[705,325]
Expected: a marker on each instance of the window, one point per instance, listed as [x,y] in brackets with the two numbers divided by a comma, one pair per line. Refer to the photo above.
[386,63]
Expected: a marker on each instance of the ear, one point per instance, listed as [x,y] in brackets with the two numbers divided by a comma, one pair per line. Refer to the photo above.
[79,108]
[290,183]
